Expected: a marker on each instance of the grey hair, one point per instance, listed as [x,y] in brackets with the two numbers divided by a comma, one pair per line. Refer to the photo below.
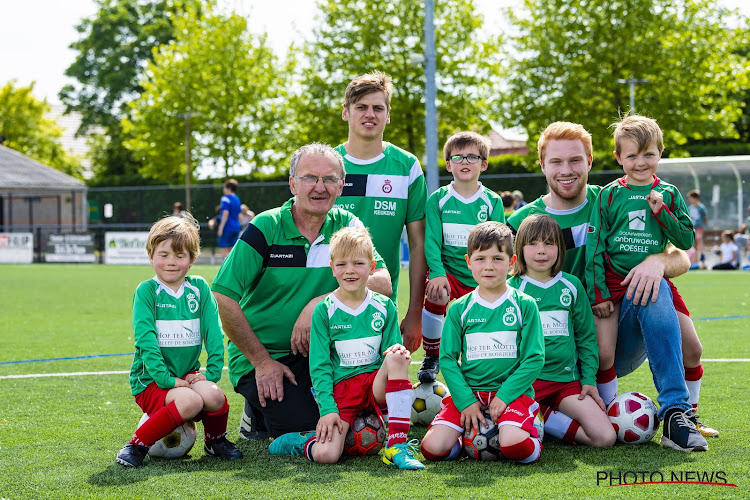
[320,149]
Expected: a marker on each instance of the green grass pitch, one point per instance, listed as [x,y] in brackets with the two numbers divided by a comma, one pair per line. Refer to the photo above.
[59,434]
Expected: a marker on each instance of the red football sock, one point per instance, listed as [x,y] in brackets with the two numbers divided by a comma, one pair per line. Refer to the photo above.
[215,423]
[526,451]
[398,396]
[158,425]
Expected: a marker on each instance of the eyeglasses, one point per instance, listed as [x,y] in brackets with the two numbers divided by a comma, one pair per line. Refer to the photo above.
[458,159]
[312,180]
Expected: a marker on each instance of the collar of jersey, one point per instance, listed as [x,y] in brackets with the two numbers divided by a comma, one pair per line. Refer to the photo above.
[468,200]
[622,182]
[349,310]
[539,284]
[290,229]
[491,305]
[358,161]
[168,290]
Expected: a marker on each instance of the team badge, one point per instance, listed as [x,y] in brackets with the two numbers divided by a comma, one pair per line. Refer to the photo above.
[509,318]
[482,215]
[192,302]
[377,321]
[565,297]
[387,188]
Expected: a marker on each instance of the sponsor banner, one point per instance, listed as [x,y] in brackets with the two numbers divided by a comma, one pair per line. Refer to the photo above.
[125,247]
[70,248]
[16,248]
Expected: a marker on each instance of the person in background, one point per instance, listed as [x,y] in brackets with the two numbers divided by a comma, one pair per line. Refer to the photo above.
[730,252]
[508,207]
[229,223]
[518,199]
[177,209]
[246,215]
[699,216]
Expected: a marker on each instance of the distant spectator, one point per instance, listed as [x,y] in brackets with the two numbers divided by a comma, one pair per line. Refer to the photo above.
[177,209]
[730,252]
[229,225]
[246,215]
[518,199]
[743,232]
[507,197]
[699,217]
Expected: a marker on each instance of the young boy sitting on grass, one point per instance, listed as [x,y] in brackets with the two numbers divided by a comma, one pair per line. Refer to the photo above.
[356,361]
[174,317]
[452,211]
[493,351]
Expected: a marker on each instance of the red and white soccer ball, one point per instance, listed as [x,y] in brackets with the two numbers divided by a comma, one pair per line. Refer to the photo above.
[175,444]
[633,416]
[366,435]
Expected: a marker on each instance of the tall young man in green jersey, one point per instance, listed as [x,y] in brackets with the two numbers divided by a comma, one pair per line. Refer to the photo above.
[386,189]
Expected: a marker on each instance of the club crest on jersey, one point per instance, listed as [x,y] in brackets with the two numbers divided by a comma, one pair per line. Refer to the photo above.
[509,318]
[377,321]
[192,302]
[482,214]
[565,297]
[387,188]
[637,220]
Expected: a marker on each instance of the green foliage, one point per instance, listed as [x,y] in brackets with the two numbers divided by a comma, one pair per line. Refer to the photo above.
[354,37]
[568,56]
[115,45]
[25,128]
[226,80]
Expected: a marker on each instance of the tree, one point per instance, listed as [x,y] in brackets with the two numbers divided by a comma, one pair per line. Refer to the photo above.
[226,80]
[25,128]
[115,46]
[569,54]
[356,37]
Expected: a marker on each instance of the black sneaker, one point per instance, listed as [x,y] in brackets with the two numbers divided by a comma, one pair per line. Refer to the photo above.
[222,448]
[679,432]
[132,455]
[252,425]
[429,369]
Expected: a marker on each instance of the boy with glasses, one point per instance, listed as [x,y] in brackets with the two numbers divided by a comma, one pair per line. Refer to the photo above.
[452,211]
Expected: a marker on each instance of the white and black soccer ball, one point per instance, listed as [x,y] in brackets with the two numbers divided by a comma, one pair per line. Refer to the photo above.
[426,401]
[483,443]
[633,415]
[175,444]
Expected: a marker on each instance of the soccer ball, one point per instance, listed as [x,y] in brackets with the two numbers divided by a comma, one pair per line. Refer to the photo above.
[539,424]
[483,444]
[633,416]
[426,401]
[366,435]
[176,444]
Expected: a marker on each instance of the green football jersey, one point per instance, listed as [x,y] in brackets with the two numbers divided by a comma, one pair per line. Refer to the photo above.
[386,193]
[170,329]
[449,218]
[624,231]
[273,272]
[574,223]
[568,326]
[492,347]
[346,342]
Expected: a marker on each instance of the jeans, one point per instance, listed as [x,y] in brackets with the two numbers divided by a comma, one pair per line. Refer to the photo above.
[657,323]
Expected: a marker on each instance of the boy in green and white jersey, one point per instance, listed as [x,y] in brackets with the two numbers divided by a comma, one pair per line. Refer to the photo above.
[452,211]
[356,361]
[174,317]
[492,352]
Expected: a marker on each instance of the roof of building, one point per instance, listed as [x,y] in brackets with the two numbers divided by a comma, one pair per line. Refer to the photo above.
[18,171]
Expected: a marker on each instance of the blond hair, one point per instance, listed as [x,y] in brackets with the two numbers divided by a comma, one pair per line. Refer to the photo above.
[538,227]
[367,84]
[351,241]
[182,231]
[642,130]
[564,131]
[488,234]
[463,139]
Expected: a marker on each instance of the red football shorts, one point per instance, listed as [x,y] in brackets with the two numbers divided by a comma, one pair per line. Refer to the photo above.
[354,395]
[549,393]
[520,413]
[152,398]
